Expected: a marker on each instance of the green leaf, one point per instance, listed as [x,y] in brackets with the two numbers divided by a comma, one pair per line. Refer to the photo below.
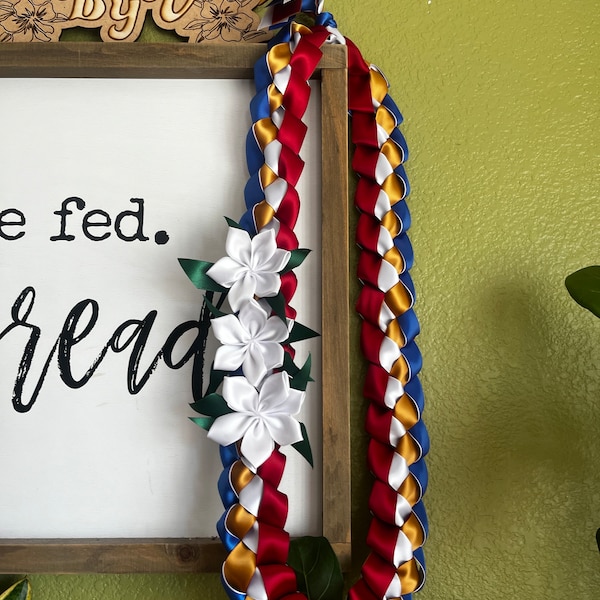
[216,379]
[584,287]
[303,446]
[300,332]
[233,223]
[204,422]
[297,257]
[277,303]
[212,405]
[196,271]
[19,591]
[300,380]
[214,311]
[317,568]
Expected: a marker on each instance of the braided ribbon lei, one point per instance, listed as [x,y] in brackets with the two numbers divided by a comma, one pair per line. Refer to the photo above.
[252,527]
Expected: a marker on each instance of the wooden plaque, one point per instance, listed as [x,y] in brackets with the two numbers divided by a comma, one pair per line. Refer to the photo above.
[119,554]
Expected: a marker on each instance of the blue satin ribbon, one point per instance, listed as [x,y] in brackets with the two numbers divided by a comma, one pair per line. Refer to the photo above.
[402,243]
[409,324]
[413,358]
[420,473]
[402,212]
[231,593]
[229,540]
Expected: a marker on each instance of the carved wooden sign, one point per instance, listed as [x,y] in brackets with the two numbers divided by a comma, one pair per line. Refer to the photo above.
[122,20]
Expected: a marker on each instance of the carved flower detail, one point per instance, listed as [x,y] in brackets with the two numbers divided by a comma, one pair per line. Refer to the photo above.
[227,20]
[27,21]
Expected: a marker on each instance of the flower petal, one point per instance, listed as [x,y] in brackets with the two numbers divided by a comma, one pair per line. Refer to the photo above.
[240,395]
[254,366]
[253,318]
[275,330]
[239,245]
[277,261]
[272,354]
[230,358]
[273,392]
[284,430]
[229,428]
[277,398]
[229,330]
[242,290]
[226,271]
[257,444]
[267,284]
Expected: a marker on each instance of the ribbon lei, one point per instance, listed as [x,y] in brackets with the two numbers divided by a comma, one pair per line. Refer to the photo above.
[395,566]
[252,527]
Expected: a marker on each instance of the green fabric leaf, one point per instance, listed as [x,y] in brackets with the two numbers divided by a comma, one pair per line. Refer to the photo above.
[216,379]
[19,591]
[289,366]
[300,332]
[303,446]
[204,422]
[214,311]
[212,405]
[196,271]
[296,259]
[277,303]
[584,287]
[233,223]
[317,568]
[302,377]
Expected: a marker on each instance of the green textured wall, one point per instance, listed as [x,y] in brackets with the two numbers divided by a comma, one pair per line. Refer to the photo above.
[502,117]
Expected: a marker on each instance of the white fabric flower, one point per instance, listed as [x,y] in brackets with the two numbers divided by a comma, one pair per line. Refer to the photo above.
[251,267]
[251,340]
[262,417]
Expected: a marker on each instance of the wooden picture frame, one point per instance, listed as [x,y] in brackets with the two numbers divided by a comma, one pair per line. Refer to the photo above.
[217,61]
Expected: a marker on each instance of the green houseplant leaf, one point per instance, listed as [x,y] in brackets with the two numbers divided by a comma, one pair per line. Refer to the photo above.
[317,568]
[584,287]
[19,591]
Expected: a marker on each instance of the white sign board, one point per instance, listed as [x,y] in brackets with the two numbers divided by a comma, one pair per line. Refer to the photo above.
[104,185]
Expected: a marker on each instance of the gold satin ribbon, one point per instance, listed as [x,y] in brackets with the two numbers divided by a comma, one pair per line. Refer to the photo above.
[385,119]
[400,370]
[240,476]
[275,98]
[393,153]
[278,57]
[398,299]
[239,521]
[395,333]
[263,214]
[264,132]
[408,448]
[239,567]
[392,223]
[379,86]
[267,176]
[410,490]
[410,576]
[395,259]
[406,412]
[413,530]
[393,186]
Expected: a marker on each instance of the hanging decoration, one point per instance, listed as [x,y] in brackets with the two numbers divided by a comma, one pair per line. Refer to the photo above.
[262,387]
[256,388]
